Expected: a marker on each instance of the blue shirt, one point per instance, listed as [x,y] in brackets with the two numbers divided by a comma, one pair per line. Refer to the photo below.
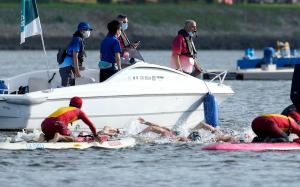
[110,45]
[75,45]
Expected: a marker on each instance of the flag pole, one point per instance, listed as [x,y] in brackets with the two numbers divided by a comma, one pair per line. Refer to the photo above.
[44,48]
[47,61]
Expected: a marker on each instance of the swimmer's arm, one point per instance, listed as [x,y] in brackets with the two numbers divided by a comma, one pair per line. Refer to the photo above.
[156,125]
[203,125]
[143,121]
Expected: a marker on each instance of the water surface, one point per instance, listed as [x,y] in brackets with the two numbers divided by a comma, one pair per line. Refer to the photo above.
[150,164]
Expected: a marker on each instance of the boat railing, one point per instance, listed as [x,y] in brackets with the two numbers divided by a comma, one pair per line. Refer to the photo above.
[10,92]
[221,76]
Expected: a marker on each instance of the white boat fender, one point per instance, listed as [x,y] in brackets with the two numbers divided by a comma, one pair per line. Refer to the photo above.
[211,112]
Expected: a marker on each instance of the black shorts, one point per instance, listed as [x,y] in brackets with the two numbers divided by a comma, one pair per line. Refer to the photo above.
[67,78]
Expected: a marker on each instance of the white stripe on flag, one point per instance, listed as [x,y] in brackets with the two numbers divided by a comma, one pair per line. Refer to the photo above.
[32,29]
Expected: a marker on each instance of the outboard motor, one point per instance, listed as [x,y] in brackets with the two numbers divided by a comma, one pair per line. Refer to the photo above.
[268,55]
[295,89]
[211,112]
[3,87]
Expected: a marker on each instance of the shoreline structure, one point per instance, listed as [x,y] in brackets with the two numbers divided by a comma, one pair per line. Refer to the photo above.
[155,25]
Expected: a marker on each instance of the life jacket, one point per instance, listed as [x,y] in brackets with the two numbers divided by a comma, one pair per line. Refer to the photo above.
[81,53]
[124,39]
[189,43]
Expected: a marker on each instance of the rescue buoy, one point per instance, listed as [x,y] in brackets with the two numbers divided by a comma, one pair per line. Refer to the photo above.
[211,112]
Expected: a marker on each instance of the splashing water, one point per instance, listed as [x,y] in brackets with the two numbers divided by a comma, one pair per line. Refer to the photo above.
[134,128]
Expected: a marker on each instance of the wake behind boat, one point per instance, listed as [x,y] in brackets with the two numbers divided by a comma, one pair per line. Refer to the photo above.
[159,93]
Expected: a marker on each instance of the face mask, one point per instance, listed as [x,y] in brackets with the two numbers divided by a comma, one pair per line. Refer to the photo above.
[191,34]
[86,34]
[124,26]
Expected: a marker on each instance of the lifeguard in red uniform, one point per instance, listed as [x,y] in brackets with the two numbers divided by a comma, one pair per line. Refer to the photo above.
[276,127]
[55,126]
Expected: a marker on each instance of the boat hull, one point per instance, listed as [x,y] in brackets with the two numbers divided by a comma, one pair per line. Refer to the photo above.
[170,110]
[156,93]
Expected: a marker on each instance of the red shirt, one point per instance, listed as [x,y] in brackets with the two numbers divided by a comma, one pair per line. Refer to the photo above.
[285,123]
[121,42]
[295,115]
[67,115]
[179,46]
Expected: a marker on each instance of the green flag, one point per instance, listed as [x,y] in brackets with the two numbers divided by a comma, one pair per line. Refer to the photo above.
[30,21]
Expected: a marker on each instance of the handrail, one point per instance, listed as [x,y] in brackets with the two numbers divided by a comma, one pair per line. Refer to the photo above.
[221,76]
[9,91]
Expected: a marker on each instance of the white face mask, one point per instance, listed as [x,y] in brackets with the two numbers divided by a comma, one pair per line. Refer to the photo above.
[124,26]
[86,34]
[191,34]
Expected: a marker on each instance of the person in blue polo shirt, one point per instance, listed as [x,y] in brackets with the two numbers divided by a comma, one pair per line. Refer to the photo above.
[70,68]
[110,51]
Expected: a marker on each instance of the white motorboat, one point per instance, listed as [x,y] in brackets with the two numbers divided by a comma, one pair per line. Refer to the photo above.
[156,93]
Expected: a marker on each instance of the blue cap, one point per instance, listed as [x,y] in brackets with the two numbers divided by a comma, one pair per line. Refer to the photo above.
[84,26]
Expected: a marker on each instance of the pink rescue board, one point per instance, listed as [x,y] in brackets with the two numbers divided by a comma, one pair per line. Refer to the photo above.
[254,146]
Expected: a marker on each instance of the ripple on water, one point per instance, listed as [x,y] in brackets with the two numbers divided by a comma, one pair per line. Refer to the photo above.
[159,162]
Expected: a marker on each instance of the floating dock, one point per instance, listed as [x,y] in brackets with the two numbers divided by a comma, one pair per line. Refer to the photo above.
[272,66]
[253,74]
